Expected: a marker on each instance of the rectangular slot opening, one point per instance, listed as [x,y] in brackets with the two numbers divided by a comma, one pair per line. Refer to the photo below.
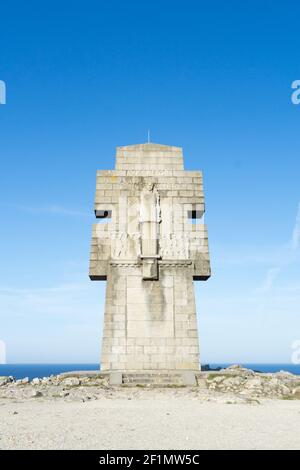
[103,214]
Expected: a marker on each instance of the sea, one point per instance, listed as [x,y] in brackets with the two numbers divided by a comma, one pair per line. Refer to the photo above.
[31,371]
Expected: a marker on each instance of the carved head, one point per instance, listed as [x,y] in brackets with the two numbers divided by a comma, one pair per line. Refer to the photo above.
[150,186]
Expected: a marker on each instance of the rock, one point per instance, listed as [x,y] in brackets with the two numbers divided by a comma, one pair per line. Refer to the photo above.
[86,398]
[46,381]
[4,380]
[237,370]
[253,383]
[70,382]
[22,381]
[36,394]
[85,381]
[218,380]
[296,392]
[36,381]
[233,382]
[53,380]
[212,385]
[284,373]
[274,382]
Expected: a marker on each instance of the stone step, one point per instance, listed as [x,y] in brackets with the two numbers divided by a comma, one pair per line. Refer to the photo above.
[152,379]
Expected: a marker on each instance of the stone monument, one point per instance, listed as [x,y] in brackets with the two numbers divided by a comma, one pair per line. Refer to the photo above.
[149,250]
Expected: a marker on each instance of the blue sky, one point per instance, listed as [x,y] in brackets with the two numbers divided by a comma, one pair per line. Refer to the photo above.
[212,77]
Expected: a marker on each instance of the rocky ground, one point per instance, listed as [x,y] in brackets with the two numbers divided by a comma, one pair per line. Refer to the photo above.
[235,384]
[249,384]
[233,408]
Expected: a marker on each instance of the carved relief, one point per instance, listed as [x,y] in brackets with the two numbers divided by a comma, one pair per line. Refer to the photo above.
[174,246]
[149,218]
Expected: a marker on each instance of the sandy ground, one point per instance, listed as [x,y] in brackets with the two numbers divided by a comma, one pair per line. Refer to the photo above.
[153,421]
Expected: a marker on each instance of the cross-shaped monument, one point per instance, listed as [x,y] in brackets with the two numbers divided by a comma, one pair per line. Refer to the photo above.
[149,249]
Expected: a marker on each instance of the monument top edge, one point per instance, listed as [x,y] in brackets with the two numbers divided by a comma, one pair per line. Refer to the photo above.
[150,146]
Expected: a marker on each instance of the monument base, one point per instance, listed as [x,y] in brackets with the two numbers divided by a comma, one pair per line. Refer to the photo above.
[159,378]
